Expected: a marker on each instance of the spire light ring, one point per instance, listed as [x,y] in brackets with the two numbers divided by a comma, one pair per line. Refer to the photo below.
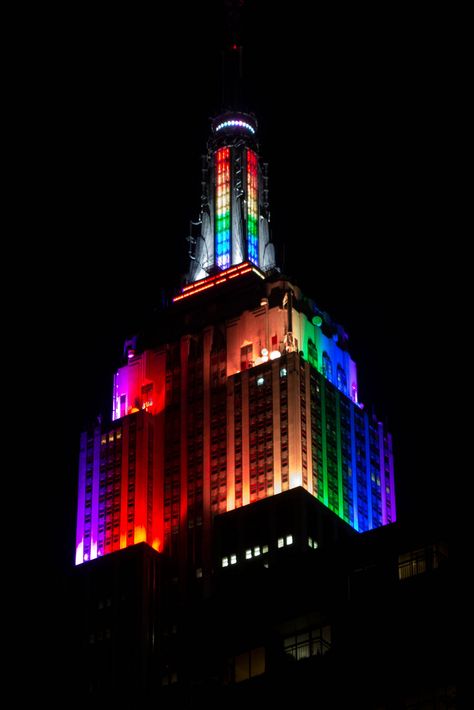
[235,123]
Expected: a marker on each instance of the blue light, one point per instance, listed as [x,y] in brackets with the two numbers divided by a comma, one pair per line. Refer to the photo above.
[234,123]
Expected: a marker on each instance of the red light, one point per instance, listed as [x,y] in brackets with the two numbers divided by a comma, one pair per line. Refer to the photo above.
[210,281]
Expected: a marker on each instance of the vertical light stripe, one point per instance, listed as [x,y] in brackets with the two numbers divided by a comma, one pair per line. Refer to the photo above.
[354,469]
[367,467]
[95,494]
[276,364]
[340,488]
[230,445]
[81,500]
[245,439]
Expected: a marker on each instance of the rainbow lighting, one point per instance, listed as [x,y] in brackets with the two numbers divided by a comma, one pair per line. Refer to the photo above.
[252,212]
[235,124]
[223,207]
[228,275]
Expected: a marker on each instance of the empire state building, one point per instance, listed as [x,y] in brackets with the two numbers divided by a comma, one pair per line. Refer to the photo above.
[244,390]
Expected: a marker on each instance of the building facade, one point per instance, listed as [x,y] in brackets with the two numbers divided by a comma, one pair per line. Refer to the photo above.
[246,390]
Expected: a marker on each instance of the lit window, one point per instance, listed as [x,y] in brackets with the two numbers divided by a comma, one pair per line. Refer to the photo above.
[341,380]
[118,434]
[289,539]
[248,554]
[249,664]
[264,549]
[281,542]
[283,372]
[310,541]
[256,551]
[315,544]
[233,559]
[199,572]
[260,381]
[225,561]
[306,643]
[327,366]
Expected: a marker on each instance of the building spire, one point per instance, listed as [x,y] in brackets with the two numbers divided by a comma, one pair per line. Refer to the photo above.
[232,54]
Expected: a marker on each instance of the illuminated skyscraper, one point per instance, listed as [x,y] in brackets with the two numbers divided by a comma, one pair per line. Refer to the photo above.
[233,537]
[244,390]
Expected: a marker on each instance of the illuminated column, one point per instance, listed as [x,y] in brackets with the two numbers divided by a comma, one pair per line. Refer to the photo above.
[309,443]
[367,465]
[245,439]
[223,246]
[252,207]
[95,494]
[81,500]
[340,487]
[159,453]
[391,496]
[230,445]
[276,426]
[295,467]
[206,504]
[325,492]
[354,469]
[124,484]
[383,485]
[183,506]
[141,471]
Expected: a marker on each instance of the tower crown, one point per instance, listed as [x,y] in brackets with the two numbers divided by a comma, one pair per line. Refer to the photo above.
[234,220]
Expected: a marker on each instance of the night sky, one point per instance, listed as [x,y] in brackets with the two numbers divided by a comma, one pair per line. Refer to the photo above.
[346,108]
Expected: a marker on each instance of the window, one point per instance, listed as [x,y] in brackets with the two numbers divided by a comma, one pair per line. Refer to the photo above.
[327,366]
[312,543]
[233,559]
[309,642]
[256,551]
[246,352]
[249,664]
[283,372]
[264,549]
[341,380]
[260,381]
[248,554]
[225,561]
[289,539]
[281,542]
[354,392]
[199,572]
[415,562]
[312,354]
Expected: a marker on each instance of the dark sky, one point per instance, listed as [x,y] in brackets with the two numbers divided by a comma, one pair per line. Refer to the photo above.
[348,109]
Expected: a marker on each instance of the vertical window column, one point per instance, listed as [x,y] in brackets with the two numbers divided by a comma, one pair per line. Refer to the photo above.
[222,167]
[252,207]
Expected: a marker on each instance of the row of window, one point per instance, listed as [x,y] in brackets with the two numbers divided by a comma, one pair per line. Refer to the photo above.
[260,550]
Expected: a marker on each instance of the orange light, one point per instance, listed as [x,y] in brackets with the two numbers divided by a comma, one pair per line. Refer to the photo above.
[139,534]
[210,281]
